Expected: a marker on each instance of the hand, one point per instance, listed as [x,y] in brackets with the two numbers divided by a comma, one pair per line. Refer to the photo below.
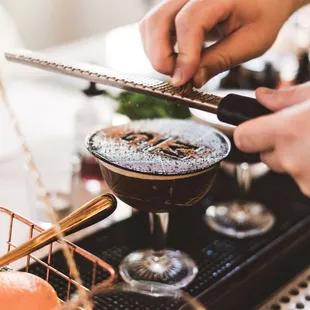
[283,138]
[248,29]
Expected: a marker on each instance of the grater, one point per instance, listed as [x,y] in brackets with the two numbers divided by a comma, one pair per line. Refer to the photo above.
[232,109]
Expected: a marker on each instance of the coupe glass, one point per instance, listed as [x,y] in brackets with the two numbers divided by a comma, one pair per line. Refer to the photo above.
[158,263]
[160,193]
[243,217]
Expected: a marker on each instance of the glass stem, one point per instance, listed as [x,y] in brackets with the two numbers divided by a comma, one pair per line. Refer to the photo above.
[244,178]
[159,226]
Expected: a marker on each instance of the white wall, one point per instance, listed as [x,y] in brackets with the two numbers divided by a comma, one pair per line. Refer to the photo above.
[44,23]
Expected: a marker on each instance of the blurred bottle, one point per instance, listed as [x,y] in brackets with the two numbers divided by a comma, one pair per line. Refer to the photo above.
[271,76]
[95,113]
[233,80]
[303,74]
[239,78]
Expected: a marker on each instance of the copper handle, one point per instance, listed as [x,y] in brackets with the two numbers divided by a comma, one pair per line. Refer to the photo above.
[91,212]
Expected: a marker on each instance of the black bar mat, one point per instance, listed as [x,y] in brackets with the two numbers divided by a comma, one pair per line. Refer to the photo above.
[219,258]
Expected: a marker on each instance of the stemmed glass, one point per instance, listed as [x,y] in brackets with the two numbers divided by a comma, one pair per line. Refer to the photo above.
[164,189]
[243,217]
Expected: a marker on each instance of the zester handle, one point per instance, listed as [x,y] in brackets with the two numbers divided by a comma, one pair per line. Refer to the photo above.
[236,109]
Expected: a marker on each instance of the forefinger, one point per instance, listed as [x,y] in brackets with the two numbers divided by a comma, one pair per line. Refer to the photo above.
[194,20]
[157,30]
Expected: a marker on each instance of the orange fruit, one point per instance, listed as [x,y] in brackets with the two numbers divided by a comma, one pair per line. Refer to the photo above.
[25,291]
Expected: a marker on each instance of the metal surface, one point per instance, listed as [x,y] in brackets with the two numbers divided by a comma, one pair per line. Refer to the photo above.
[294,295]
[222,262]
[194,99]
[48,270]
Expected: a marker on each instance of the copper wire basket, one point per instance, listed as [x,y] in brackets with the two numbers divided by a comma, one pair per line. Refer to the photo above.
[20,229]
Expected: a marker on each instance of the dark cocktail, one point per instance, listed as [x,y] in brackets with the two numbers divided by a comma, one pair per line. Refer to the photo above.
[159,166]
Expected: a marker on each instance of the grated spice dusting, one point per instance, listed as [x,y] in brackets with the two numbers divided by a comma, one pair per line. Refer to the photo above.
[160,146]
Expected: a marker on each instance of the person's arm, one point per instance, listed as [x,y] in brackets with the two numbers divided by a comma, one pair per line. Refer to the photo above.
[248,29]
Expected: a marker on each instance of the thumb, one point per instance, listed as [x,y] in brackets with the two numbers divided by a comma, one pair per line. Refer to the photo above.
[280,99]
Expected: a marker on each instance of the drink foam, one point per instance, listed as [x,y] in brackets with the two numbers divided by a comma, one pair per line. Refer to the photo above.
[160,146]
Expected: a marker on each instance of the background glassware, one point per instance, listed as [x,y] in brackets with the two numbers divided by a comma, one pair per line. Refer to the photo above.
[53,159]
[95,112]
[238,218]
[241,218]
[139,296]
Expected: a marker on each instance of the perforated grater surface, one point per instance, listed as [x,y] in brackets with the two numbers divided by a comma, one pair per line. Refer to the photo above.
[233,109]
[233,274]
[119,80]
[294,295]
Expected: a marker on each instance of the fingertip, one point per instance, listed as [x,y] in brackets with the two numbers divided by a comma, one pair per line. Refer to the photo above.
[141,26]
[263,92]
[276,99]
[184,70]
[162,59]
[201,77]
[181,75]
[237,138]
[164,66]
[241,136]
[177,78]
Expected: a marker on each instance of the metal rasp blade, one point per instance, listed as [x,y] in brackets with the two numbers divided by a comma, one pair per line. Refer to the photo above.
[152,87]
[232,109]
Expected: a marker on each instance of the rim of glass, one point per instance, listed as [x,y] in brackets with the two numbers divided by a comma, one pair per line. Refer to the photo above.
[219,133]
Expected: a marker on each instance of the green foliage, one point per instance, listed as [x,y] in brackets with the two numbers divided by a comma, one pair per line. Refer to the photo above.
[137,106]
[5,268]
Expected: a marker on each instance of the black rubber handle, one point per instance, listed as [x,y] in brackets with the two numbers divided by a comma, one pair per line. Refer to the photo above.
[235,109]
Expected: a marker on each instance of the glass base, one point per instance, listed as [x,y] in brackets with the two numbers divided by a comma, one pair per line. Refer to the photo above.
[240,219]
[169,267]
